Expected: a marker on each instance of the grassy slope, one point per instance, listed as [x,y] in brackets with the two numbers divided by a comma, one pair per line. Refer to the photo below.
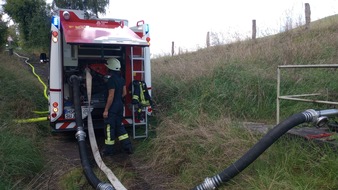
[20,94]
[201,96]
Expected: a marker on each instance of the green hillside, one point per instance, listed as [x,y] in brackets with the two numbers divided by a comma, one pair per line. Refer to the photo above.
[203,97]
[20,94]
[240,79]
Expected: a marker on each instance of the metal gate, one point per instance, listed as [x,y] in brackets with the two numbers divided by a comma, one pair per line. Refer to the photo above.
[300,97]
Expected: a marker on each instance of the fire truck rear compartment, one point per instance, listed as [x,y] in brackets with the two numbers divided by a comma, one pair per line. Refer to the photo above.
[93,57]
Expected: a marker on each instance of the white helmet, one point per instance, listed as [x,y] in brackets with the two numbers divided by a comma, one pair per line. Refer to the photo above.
[113,64]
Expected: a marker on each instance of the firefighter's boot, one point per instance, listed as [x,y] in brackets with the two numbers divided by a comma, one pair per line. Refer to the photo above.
[127,146]
[108,150]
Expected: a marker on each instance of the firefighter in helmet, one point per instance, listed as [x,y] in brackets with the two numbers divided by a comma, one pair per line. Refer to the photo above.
[113,111]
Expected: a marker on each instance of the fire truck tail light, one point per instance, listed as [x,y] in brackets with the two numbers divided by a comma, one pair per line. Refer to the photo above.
[55,109]
[55,36]
[55,104]
[66,15]
[148,40]
[55,33]
[55,39]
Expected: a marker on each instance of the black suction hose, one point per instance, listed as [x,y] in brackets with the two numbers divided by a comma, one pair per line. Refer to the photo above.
[250,156]
[261,146]
[81,138]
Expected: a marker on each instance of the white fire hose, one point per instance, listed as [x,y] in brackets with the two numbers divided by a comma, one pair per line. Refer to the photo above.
[110,175]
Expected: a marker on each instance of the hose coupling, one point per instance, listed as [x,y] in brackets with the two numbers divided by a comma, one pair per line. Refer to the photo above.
[80,135]
[74,77]
[210,183]
[321,121]
[104,186]
[319,118]
[311,115]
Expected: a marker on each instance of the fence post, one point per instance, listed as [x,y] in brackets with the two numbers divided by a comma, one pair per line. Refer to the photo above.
[307,15]
[254,29]
[208,39]
[172,48]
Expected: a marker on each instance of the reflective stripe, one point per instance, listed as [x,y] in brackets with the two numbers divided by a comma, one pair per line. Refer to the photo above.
[65,125]
[142,91]
[108,140]
[135,97]
[142,94]
[123,137]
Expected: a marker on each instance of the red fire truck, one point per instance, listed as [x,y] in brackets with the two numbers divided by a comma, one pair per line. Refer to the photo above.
[78,43]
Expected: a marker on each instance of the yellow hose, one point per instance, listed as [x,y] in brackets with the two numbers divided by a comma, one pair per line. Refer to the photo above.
[33,70]
[31,120]
[37,76]
[44,85]
[41,112]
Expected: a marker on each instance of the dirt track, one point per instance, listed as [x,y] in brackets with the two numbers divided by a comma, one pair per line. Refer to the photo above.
[62,154]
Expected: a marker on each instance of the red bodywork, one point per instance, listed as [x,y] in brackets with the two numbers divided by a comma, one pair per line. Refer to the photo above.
[79,31]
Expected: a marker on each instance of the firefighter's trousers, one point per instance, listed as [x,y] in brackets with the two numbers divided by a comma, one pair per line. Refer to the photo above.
[114,129]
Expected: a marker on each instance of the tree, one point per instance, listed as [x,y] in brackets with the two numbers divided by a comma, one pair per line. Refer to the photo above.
[39,31]
[92,7]
[3,32]
[31,17]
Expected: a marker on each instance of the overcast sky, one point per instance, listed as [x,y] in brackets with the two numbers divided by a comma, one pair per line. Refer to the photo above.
[187,22]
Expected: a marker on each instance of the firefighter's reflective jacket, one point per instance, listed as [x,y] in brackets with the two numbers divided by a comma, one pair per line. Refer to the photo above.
[140,94]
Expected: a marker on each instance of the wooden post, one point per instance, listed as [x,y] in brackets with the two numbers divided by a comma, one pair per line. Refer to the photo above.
[254,29]
[172,48]
[208,39]
[307,15]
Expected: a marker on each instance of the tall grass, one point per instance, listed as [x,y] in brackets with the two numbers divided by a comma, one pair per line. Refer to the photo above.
[20,157]
[295,165]
[202,98]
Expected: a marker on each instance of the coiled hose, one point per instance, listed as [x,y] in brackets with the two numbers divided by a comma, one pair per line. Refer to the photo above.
[81,138]
[271,137]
